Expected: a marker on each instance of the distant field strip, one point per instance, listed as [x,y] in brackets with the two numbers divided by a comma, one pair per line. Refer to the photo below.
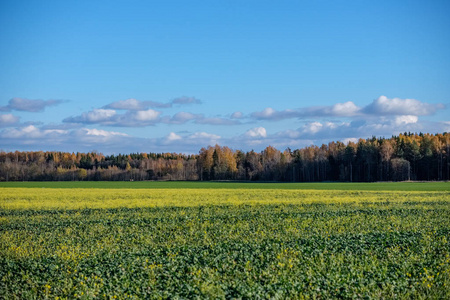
[224,243]
[374,186]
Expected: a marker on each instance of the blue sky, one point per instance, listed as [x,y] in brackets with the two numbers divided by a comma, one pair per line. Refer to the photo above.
[175,76]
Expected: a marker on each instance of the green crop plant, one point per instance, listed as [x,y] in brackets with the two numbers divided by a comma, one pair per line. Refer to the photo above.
[223,243]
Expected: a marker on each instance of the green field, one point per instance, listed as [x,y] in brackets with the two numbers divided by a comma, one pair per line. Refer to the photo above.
[376,186]
[161,240]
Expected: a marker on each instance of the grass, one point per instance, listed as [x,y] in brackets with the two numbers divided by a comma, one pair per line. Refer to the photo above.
[376,186]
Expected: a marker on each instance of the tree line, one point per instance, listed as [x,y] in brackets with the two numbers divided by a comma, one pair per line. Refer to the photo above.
[408,156]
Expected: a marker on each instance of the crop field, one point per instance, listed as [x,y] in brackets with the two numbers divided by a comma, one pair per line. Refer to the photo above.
[231,241]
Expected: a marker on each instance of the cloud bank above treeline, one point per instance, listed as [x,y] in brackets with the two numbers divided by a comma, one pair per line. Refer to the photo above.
[179,125]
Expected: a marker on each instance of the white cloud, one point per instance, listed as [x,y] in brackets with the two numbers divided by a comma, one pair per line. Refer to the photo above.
[290,134]
[99,139]
[182,117]
[258,132]
[313,127]
[23,104]
[143,118]
[315,130]
[147,115]
[203,136]
[31,138]
[347,109]
[216,121]
[133,104]
[135,116]
[62,126]
[173,137]
[25,132]
[367,127]
[237,115]
[97,115]
[344,109]
[446,126]
[397,106]
[31,132]
[267,114]
[84,139]
[109,117]
[103,133]
[325,131]
[8,120]
[271,114]
[191,143]
[341,121]
[382,106]
[404,120]
[186,100]
[129,104]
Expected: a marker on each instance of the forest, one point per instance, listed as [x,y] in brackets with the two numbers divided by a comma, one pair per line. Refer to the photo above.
[408,156]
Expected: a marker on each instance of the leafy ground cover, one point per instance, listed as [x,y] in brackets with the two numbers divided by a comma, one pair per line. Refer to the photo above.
[224,243]
[375,186]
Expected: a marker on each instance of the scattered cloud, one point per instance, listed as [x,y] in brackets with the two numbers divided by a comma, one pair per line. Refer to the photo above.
[8,120]
[184,117]
[216,121]
[318,132]
[315,125]
[137,105]
[85,139]
[258,132]
[446,126]
[29,105]
[102,133]
[273,115]
[314,128]
[186,100]
[382,106]
[347,109]
[82,139]
[237,115]
[181,118]
[147,115]
[193,141]
[405,111]
[173,137]
[360,128]
[141,118]
[110,117]
[63,126]
[404,120]
[396,106]
[30,132]
[133,104]
[204,136]
[94,116]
